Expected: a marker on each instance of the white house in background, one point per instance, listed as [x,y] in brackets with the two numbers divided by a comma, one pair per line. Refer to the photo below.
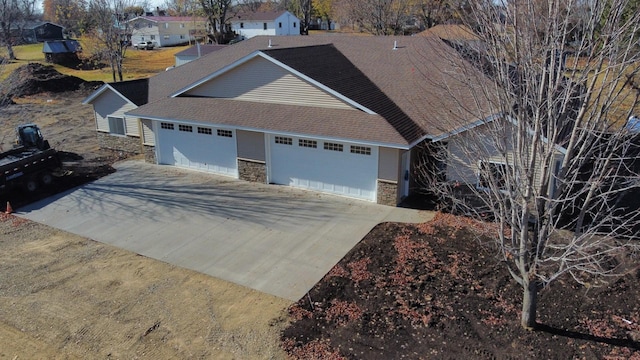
[249,25]
[167,30]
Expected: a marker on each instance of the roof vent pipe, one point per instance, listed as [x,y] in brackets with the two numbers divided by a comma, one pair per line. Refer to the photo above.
[395,45]
[269,42]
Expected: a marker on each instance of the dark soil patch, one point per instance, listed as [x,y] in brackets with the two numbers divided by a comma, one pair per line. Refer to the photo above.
[35,78]
[433,291]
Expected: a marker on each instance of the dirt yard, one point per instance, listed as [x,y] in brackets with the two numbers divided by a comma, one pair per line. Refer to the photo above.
[63,296]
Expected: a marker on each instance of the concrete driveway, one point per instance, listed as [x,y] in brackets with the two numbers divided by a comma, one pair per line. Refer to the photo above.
[274,239]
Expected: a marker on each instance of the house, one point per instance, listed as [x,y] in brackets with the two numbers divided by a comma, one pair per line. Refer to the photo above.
[196,52]
[39,31]
[167,30]
[61,51]
[275,23]
[110,102]
[340,114]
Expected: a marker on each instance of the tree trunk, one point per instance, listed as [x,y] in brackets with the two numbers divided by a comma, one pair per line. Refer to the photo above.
[529,305]
[12,55]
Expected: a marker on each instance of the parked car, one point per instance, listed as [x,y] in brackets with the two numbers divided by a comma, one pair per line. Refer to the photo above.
[145,45]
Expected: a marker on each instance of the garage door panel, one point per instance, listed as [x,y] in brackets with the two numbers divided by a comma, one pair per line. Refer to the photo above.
[193,150]
[342,173]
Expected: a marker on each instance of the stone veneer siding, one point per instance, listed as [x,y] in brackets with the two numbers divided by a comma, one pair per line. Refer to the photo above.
[128,144]
[387,192]
[252,170]
[150,154]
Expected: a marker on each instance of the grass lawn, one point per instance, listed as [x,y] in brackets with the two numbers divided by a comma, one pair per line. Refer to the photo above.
[137,63]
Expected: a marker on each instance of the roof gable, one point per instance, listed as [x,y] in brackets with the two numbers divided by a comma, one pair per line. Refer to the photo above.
[258,79]
[135,92]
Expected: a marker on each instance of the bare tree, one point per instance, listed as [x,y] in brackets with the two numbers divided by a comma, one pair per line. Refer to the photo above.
[550,158]
[111,31]
[71,14]
[434,12]
[378,17]
[182,7]
[218,13]
[13,15]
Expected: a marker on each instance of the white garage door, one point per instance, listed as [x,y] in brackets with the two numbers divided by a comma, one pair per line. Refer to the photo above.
[334,167]
[194,147]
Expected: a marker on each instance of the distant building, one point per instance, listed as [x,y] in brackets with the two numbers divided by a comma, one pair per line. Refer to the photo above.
[61,51]
[248,25]
[167,30]
[37,31]
[195,52]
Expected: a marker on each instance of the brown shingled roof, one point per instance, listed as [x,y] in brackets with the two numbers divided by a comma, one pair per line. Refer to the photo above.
[451,32]
[338,123]
[423,77]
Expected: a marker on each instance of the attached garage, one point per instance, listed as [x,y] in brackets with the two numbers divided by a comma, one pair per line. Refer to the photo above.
[329,166]
[197,147]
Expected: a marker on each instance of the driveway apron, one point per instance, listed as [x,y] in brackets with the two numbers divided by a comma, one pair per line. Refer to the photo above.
[274,239]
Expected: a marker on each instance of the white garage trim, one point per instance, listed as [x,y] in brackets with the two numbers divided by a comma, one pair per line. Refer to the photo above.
[335,167]
[198,147]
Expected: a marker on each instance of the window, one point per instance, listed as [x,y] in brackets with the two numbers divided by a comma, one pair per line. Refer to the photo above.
[280,25]
[153,37]
[149,25]
[185,128]
[363,150]
[116,125]
[493,172]
[205,131]
[168,126]
[284,140]
[225,133]
[181,25]
[241,25]
[294,24]
[166,37]
[307,143]
[264,26]
[181,36]
[166,25]
[333,146]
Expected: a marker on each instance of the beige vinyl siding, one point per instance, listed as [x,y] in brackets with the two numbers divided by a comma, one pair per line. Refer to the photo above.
[259,80]
[251,145]
[465,168]
[111,104]
[388,164]
[148,136]
[133,128]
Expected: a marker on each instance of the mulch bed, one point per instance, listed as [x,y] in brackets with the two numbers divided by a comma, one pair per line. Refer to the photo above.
[435,291]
